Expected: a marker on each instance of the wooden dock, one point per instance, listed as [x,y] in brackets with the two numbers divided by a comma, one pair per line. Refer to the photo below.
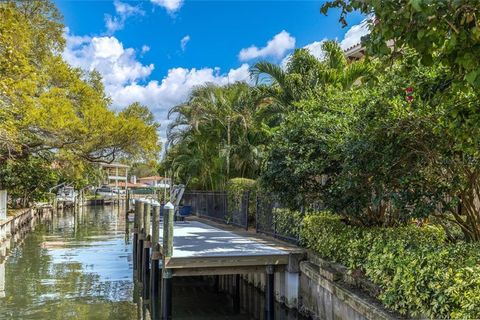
[202,249]
[164,249]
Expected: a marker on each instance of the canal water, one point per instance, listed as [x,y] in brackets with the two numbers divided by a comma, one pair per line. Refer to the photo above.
[79,266]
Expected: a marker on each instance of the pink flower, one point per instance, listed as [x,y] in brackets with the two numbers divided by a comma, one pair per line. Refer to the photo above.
[409,98]
[409,89]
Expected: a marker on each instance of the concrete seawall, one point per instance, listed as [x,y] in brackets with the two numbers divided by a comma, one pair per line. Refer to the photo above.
[13,231]
[17,226]
[322,290]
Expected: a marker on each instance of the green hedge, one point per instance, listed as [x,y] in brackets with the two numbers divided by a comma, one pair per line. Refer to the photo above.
[418,272]
[236,187]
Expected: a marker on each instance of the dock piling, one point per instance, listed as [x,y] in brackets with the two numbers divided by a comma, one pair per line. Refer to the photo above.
[166,295]
[127,202]
[146,250]
[146,267]
[270,294]
[167,275]
[236,293]
[155,281]
[135,235]
[140,264]
[141,238]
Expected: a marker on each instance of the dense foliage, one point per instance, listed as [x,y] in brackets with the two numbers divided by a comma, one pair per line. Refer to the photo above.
[51,111]
[419,274]
[215,137]
[446,32]
[239,190]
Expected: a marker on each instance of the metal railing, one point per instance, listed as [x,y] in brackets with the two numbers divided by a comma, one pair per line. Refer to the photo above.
[219,206]
[273,219]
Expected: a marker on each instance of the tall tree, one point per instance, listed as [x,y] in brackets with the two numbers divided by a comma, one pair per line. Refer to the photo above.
[215,126]
[305,77]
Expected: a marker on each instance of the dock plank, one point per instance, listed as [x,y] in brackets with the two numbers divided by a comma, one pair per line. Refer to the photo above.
[199,245]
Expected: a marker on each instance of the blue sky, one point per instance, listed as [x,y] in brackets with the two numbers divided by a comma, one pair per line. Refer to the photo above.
[155,51]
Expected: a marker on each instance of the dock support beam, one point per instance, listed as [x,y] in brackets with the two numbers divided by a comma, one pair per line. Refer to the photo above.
[155,271]
[167,275]
[146,268]
[141,238]
[146,251]
[127,202]
[166,295]
[135,235]
[270,294]
[236,293]
[155,283]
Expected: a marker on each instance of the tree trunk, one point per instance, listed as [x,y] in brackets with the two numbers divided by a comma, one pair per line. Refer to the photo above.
[228,148]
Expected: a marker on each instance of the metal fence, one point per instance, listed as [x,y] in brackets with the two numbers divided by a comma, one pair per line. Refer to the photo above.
[219,206]
[271,217]
[274,219]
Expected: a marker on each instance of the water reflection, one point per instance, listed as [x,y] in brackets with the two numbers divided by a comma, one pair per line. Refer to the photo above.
[79,266]
[76,266]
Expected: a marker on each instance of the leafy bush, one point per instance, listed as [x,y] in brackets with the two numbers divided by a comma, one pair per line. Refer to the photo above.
[287,222]
[419,273]
[236,189]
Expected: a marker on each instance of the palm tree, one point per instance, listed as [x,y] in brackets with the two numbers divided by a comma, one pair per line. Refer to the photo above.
[212,135]
[305,76]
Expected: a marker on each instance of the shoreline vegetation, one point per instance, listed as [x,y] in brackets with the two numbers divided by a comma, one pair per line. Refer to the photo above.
[57,123]
[374,161]
[387,144]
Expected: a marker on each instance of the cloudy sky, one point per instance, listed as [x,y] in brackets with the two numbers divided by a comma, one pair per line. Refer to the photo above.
[155,51]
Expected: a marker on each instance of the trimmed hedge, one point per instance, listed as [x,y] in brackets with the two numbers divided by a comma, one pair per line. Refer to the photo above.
[419,273]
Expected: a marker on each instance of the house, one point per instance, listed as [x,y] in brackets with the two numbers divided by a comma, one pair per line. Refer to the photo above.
[115,174]
[155,181]
[355,52]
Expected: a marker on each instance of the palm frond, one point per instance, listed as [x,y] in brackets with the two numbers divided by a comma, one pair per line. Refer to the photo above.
[273,71]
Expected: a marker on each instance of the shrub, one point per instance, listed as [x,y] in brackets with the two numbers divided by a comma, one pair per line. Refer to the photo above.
[287,222]
[236,187]
[419,273]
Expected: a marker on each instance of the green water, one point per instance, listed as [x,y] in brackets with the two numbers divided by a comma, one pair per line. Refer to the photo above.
[79,266]
[73,267]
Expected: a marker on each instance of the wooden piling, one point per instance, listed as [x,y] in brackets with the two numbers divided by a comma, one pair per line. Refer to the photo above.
[146,217]
[167,275]
[155,281]
[270,294]
[127,202]
[155,274]
[146,250]
[236,293]
[146,267]
[155,224]
[135,234]
[141,238]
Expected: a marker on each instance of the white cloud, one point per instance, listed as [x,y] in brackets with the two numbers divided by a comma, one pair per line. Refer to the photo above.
[117,65]
[276,48]
[315,49]
[170,5]
[351,38]
[354,34]
[124,76]
[184,41]
[145,49]
[126,9]
[123,11]
[176,86]
[174,89]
